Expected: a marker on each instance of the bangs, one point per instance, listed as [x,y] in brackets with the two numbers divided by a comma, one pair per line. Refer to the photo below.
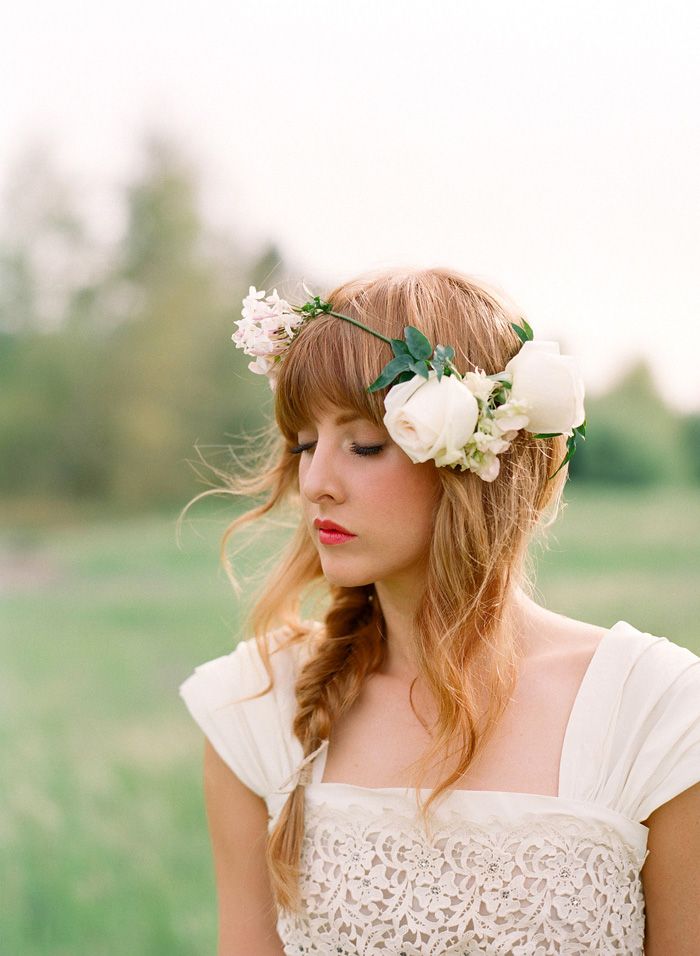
[330,363]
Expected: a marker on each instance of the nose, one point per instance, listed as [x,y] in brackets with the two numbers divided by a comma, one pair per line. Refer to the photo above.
[320,473]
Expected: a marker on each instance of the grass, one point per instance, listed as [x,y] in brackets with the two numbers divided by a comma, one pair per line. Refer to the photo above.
[102,832]
[627,555]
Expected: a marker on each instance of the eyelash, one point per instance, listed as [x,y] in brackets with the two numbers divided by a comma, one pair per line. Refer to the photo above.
[362,450]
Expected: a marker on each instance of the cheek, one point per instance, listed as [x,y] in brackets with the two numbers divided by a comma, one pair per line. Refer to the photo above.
[409,494]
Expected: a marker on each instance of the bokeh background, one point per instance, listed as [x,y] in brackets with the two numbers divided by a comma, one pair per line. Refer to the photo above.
[157,159]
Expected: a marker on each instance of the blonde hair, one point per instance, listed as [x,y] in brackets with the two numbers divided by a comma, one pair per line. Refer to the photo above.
[477,552]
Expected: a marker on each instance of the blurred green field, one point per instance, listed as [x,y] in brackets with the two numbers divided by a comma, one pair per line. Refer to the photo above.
[102,827]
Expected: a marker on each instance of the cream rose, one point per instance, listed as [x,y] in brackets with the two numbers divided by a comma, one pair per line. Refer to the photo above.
[428,418]
[552,386]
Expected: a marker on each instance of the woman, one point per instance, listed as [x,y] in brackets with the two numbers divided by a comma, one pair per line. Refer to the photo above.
[431,762]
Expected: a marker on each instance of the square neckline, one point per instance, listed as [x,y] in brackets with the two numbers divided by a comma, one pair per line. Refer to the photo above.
[319,765]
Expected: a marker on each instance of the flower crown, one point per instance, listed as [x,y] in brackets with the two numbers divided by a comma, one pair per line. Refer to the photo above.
[432,411]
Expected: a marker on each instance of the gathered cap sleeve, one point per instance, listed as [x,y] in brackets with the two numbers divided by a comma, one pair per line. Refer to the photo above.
[666,745]
[635,741]
[253,737]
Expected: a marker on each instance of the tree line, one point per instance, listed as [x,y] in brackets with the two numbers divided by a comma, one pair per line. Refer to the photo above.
[114,365]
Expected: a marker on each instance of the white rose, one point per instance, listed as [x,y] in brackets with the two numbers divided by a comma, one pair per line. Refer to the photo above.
[428,418]
[552,385]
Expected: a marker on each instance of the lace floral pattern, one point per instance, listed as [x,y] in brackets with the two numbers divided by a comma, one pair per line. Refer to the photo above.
[543,886]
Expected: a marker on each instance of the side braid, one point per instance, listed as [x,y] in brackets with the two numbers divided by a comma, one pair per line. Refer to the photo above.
[352,647]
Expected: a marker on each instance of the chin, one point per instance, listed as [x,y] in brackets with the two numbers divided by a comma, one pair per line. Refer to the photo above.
[346,579]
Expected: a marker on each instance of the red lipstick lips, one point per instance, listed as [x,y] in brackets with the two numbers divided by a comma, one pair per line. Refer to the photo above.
[330,525]
[331,533]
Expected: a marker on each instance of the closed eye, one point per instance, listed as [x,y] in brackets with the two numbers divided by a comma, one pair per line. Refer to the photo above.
[357,449]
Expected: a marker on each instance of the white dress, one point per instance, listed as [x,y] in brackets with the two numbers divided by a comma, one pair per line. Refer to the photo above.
[513,874]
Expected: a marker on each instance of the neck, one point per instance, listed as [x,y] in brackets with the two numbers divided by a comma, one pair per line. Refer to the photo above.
[399,602]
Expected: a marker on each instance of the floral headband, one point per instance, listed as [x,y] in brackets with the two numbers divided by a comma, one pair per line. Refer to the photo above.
[432,411]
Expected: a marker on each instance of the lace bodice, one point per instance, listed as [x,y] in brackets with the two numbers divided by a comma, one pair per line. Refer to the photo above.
[374,882]
[512,874]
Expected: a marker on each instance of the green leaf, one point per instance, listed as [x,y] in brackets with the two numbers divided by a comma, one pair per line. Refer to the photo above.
[420,368]
[315,306]
[444,353]
[418,344]
[390,371]
[581,429]
[571,445]
[524,332]
[547,435]
[564,461]
[399,347]
[441,360]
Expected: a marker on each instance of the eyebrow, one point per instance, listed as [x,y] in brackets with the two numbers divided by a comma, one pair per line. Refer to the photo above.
[348,417]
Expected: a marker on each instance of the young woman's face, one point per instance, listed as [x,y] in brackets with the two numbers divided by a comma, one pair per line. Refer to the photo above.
[353,474]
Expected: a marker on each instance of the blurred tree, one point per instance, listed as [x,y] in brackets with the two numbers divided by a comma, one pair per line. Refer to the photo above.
[173,376]
[54,417]
[106,397]
[47,263]
[632,436]
[690,429]
[115,361]
[46,253]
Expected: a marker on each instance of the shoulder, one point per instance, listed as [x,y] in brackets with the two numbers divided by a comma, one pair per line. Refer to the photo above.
[640,655]
[247,713]
[633,741]
[243,671]
[655,728]
[545,634]
[655,666]
[664,785]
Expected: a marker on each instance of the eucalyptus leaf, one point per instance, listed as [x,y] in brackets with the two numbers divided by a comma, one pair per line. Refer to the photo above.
[390,371]
[444,352]
[418,344]
[399,347]
[420,368]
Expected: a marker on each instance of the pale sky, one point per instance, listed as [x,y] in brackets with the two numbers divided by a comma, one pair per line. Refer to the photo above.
[550,147]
